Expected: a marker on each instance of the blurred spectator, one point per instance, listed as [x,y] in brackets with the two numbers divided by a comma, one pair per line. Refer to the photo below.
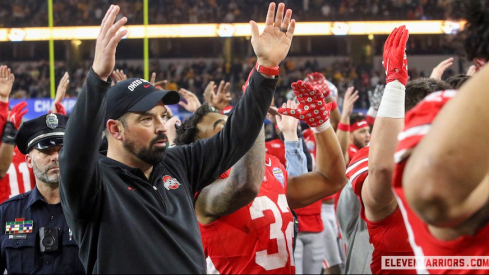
[22,13]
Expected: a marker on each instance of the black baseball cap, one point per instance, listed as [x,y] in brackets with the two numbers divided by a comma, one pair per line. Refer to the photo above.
[135,95]
[41,133]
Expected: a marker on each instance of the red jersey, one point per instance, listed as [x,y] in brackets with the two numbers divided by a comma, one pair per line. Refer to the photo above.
[388,236]
[258,237]
[19,179]
[418,123]
[276,147]
[352,150]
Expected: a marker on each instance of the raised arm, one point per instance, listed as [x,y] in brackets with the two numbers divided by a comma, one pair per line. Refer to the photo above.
[245,121]
[79,185]
[377,195]
[343,130]
[7,128]
[227,195]
[294,153]
[329,175]
[60,94]
[446,179]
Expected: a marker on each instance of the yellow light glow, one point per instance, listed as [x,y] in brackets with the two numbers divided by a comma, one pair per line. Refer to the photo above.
[228,30]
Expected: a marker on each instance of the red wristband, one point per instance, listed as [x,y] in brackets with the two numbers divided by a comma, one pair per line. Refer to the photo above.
[344,127]
[334,105]
[267,70]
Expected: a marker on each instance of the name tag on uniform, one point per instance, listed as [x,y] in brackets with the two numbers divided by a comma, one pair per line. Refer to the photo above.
[17,237]
[19,226]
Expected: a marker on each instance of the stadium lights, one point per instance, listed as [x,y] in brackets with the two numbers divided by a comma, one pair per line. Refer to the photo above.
[231,30]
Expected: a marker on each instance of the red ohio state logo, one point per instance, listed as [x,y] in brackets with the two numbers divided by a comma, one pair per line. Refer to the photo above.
[170,183]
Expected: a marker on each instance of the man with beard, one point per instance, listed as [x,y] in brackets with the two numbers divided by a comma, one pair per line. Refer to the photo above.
[36,238]
[133,210]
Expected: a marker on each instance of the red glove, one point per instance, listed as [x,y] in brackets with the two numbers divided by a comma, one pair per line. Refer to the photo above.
[318,82]
[59,108]
[394,60]
[17,113]
[312,109]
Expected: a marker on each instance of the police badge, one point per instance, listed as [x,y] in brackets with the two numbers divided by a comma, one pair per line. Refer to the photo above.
[51,121]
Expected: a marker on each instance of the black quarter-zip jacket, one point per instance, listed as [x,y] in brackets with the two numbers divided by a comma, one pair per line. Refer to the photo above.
[125,223]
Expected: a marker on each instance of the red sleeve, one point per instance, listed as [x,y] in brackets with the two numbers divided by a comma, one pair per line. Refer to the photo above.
[357,172]
[225,174]
[3,116]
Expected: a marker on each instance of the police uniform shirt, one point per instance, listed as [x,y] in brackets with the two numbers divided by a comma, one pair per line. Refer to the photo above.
[20,238]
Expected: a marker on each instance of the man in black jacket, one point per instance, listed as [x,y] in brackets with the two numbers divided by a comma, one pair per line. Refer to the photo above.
[132,211]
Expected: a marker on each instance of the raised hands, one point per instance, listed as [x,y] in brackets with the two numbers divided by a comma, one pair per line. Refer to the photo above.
[349,101]
[61,93]
[117,75]
[7,79]
[193,102]
[374,97]
[218,97]
[17,113]
[312,109]
[318,82]
[272,46]
[159,83]
[288,124]
[394,58]
[107,41]
[440,68]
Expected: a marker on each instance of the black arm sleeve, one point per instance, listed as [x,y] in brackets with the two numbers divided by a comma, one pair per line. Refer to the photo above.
[80,185]
[207,159]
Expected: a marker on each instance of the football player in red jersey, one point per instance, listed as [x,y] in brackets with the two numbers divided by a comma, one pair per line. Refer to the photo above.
[370,171]
[258,237]
[15,175]
[441,176]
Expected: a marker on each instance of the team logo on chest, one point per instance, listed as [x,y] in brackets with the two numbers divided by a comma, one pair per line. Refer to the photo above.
[170,183]
[279,175]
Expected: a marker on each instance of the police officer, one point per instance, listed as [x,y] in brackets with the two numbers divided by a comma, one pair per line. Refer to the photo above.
[35,237]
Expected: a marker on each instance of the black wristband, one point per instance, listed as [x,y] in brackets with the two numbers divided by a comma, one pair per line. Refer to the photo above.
[9,133]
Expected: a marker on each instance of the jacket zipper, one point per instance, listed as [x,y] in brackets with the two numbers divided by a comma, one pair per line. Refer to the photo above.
[160,198]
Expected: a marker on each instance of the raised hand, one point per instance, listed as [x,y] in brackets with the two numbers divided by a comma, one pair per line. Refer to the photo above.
[471,70]
[272,46]
[118,75]
[318,82]
[288,124]
[7,79]
[193,102]
[394,58]
[374,97]
[312,109]
[218,97]
[159,83]
[61,93]
[17,113]
[349,100]
[440,68]
[107,41]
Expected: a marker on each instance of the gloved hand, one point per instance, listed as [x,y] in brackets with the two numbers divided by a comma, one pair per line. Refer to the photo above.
[13,124]
[394,58]
[312,109]
[17,113]
[375,97]
[318,82]
[59,108]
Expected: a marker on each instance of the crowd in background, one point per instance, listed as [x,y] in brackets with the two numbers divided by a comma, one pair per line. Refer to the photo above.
[22,13]
[32,78]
